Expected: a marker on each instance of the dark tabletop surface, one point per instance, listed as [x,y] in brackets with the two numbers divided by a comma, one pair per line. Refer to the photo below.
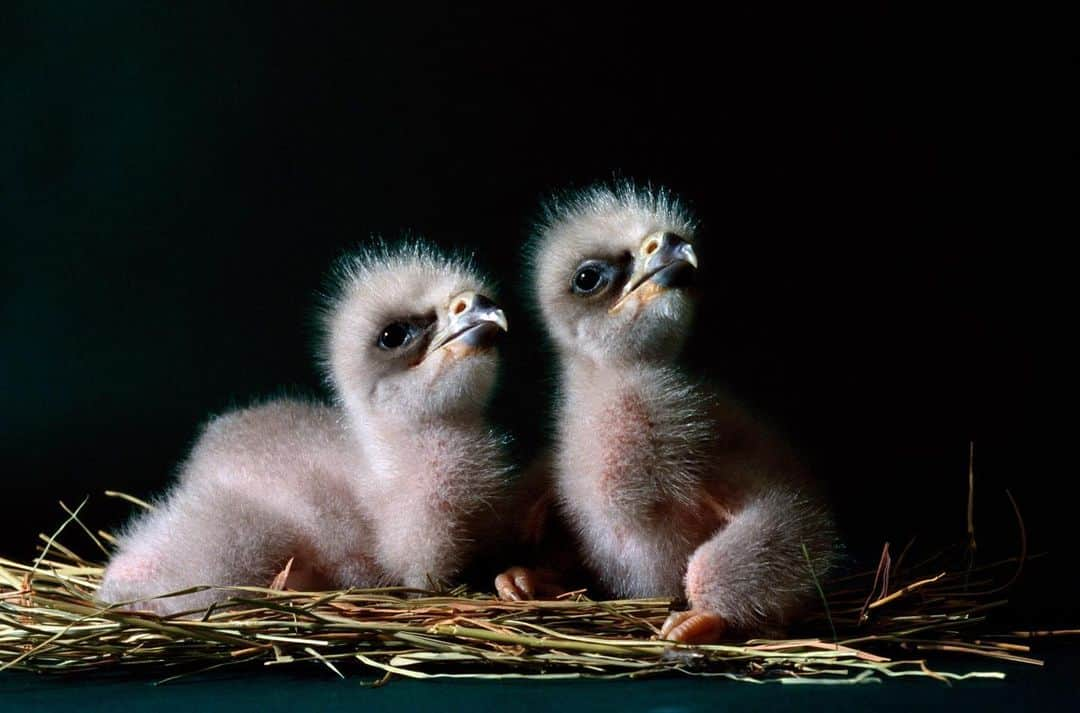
[1053,687]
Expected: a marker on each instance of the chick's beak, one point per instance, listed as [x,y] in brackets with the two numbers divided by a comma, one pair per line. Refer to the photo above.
[474,322]
[663,261]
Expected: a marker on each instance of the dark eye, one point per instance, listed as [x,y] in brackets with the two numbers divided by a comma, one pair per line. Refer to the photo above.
[396,335]
[591,277]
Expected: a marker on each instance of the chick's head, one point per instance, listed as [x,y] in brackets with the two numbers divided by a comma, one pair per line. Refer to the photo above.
[410,333]
[611,265]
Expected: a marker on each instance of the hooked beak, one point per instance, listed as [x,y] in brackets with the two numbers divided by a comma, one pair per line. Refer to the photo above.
[663,261]
[475,321]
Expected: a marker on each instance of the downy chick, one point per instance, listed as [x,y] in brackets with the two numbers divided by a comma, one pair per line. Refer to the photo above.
[388,485]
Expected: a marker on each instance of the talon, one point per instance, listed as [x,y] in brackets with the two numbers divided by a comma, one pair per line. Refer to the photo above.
[515,584]
[523,578]
[519,583]
[694,627]
[504,586]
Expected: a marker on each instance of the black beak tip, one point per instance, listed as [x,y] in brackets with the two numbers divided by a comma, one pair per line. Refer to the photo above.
[677,274]
[483,335]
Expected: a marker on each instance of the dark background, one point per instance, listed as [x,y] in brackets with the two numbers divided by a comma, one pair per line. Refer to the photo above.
[175,182]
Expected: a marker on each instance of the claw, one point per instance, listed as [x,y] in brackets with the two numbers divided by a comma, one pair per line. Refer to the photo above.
[519,583]
[694,627]
[516,583]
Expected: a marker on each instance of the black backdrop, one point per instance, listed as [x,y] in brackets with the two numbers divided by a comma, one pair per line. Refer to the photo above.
[175,183]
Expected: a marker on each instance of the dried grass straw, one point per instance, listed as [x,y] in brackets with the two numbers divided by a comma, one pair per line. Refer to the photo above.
[872,626]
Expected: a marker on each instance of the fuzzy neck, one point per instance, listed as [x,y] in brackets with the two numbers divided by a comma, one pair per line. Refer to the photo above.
[634,438]
[426,486]
[586,379]
[406,447]
[441,462]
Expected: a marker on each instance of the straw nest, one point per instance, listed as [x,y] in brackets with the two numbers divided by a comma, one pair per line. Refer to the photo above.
[890,622]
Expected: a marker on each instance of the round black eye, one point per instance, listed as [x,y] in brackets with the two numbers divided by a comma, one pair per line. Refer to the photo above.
[586,280]
[590,278]
[396,334]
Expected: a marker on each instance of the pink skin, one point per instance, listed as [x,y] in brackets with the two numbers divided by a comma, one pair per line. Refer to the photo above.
[672,489]
[391,485]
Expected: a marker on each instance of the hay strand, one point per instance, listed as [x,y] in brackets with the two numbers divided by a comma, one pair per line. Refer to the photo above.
[862,633]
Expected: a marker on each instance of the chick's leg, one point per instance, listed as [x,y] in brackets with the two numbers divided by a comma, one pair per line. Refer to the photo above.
[539,537]
[190,540]
[758,572]
[158,556]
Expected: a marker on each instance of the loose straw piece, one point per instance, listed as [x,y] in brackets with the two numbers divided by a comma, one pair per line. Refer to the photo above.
[50,622]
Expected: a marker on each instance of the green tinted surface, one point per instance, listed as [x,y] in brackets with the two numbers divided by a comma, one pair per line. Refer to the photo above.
[1052,688]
